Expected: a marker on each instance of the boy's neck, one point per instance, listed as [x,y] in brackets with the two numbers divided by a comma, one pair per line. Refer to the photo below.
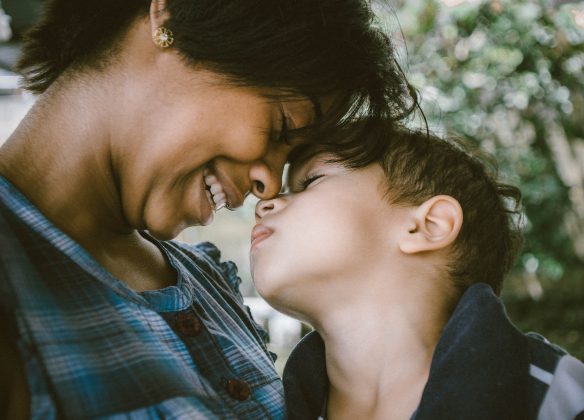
[379,348]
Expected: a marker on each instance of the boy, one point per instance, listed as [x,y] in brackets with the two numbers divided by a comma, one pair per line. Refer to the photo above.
[395,253]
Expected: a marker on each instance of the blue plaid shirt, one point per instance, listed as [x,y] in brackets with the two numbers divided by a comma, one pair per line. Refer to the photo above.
[92,347]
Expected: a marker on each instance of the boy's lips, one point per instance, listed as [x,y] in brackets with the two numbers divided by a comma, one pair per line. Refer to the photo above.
[259,233]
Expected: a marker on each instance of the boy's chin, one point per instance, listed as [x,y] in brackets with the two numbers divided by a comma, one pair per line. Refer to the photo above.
[265,282]
[287,294]
[268,293]
[281,301]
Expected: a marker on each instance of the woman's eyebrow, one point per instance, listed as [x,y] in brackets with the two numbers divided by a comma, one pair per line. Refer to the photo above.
[316,107]
[299,131]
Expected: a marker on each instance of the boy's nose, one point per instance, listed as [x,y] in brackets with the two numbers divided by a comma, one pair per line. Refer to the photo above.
[264,207]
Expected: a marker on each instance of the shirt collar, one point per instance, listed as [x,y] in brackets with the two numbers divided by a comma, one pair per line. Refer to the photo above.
[171,298]
[479,366]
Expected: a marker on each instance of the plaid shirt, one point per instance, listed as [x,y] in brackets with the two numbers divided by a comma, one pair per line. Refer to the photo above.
[92,347]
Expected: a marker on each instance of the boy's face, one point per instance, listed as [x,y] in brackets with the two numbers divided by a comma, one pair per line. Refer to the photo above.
[318,240]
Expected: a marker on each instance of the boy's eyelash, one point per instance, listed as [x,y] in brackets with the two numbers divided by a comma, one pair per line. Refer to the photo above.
[309,179]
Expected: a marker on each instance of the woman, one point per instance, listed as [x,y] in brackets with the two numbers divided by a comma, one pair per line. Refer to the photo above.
[150,115]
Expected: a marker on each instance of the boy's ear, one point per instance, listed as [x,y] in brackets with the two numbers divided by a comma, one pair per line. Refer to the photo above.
[433,225]
[158,14]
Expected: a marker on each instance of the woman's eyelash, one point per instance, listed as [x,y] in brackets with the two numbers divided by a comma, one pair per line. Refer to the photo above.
[309,179]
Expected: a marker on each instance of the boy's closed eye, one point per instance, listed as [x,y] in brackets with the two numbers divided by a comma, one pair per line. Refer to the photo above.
[302,175]
[305,182]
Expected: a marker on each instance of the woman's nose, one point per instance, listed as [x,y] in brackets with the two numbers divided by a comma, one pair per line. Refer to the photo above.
[266,175]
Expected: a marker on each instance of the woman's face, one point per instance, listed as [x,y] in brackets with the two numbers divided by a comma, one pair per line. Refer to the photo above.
[189,140]
[317,240]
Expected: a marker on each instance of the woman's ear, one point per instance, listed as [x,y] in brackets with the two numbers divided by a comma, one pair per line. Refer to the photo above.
[434,225]
[158,14]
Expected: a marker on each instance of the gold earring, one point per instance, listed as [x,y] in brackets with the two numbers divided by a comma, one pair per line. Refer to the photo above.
[163,37]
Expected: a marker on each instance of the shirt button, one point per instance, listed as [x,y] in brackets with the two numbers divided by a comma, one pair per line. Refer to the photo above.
[238,390]
[188,324]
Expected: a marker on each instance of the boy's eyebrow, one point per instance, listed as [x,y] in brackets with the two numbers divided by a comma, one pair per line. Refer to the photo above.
[291,176]
[294,171]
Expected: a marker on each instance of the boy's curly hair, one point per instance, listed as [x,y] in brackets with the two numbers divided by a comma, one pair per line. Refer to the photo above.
[419,165]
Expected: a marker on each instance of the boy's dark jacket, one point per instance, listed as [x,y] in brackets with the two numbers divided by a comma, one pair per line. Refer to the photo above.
[483,368]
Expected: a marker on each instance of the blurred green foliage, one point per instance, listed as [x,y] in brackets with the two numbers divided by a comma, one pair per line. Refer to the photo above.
[508,76]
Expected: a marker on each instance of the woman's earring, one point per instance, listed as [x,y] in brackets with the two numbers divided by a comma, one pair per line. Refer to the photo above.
[163,37]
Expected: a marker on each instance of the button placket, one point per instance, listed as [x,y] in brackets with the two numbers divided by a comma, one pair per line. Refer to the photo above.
[188,324]
[237,389]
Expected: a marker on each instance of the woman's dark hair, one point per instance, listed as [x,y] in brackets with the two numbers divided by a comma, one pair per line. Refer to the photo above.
[301,47]
[418,166]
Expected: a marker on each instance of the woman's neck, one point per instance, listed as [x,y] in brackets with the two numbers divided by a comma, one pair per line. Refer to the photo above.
[379,351]
[60,159]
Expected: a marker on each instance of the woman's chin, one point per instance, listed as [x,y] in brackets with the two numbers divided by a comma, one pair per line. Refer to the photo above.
[168,232]
[162,236]
[208,220]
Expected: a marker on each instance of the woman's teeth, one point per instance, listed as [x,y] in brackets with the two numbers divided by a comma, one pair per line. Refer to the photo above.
[217,194]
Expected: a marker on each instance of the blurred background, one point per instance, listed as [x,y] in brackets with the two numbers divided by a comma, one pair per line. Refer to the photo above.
[506,75]
[509,76]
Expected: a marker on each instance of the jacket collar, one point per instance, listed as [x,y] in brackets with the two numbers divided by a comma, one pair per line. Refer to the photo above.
[479,367]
